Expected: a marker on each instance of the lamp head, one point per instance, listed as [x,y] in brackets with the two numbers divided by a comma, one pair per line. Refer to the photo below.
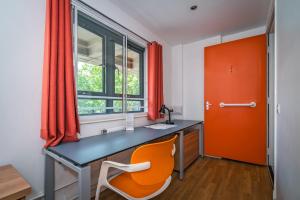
[162,109]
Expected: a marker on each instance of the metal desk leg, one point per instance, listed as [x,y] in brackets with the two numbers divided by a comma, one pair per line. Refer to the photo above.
[84,183]
[181,155]
[84,176]
[49,178]
[202,139]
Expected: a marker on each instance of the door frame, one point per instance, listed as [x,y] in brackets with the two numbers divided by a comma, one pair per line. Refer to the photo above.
[271,26]
[270,98]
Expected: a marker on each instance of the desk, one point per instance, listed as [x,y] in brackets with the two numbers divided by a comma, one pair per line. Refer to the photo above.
[77,155]
[12,184]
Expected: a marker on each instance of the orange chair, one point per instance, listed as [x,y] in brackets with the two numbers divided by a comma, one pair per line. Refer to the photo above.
[148,175]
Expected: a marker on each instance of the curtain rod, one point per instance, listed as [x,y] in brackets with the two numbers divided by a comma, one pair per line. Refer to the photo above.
[103,15]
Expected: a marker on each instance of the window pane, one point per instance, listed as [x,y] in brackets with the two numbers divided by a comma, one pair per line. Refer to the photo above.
[118,80]
[90,77]
[90,61]
[91,106]
[133,73]
[133,106]
[118,106]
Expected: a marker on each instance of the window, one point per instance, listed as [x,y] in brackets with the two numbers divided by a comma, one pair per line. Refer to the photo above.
[102,78]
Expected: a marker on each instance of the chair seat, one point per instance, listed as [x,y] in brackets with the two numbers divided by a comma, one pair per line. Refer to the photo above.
[126,184]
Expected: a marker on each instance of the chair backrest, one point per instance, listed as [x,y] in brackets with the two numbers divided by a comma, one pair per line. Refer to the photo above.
[162,162]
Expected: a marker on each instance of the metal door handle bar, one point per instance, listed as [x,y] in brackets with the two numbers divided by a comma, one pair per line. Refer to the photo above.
[251,104]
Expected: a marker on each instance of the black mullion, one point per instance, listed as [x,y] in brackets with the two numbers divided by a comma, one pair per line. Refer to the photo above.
[113,67]
[104,65]
[109,73]
[142,74]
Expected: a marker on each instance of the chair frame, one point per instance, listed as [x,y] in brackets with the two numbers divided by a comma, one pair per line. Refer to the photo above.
[103,180]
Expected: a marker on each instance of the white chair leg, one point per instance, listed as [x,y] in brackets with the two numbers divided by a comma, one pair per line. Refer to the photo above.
[98,191]
[102,180]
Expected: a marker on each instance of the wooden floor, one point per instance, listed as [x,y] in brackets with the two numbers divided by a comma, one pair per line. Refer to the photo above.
[215,179]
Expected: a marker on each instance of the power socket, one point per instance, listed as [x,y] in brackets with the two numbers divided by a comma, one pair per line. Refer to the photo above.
[119,128]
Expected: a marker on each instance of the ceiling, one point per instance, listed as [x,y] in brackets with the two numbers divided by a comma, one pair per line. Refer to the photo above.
[176,23]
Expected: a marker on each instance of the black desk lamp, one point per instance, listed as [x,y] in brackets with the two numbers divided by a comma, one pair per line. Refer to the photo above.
[163,109]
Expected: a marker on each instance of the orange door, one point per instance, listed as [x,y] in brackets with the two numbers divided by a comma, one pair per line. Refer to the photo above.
[235,73]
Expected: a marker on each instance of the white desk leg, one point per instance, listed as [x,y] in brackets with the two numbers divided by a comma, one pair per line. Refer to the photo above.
[49,178]
[181,155]
[84,178]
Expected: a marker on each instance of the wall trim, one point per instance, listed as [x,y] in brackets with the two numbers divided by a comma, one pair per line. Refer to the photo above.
[113,117]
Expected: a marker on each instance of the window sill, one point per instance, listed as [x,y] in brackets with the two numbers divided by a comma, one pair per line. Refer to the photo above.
[107,118]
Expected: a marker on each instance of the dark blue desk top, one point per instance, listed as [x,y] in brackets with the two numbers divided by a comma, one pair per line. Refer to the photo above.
[93,148]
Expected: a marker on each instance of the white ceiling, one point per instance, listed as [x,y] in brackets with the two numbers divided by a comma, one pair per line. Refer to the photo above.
[176,23]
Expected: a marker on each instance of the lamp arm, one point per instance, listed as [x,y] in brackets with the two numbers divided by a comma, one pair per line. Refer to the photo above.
[169,113]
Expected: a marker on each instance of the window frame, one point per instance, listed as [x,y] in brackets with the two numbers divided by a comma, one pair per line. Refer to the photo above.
[134,47]
[107,34]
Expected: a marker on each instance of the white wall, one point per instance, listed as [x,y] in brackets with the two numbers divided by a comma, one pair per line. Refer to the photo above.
[188,73]
[21,51]
[193,78]
[21,39]
[177,80]
[287,138]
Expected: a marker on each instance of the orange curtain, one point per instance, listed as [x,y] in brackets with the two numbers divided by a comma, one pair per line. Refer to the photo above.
[155,80]
[59,119]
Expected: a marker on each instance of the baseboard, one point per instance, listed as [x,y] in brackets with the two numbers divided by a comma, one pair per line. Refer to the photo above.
[37,196]
[209,156]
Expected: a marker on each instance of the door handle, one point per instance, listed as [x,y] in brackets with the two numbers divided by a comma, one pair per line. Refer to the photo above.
[251,104]
[207,105]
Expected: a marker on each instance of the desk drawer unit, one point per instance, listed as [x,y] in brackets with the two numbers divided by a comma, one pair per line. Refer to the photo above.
[190,150]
